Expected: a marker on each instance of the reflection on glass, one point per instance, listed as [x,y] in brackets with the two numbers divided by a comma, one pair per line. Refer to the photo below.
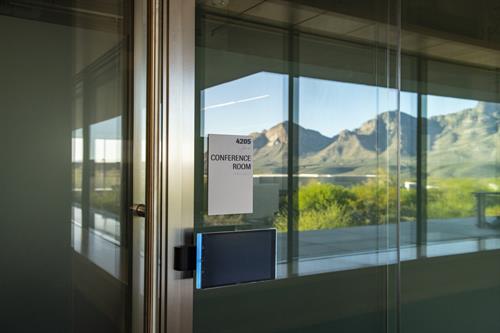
[106,159]
[255,105]
[375,156]
[461,184]
[449,188]
[449,180]
[315,88]
[77,182]
[99,147]
[346,149]
[324,120]
[65,95]
[101,159]
[324,139]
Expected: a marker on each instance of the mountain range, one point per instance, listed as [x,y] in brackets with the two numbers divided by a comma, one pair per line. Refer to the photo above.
[462,144]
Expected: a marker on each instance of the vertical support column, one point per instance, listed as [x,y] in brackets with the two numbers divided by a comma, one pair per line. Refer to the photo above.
[126,187]
[127,128]
[89,165]
[398,22]
[421,172]
[481,208]
[86,165]
[293,152]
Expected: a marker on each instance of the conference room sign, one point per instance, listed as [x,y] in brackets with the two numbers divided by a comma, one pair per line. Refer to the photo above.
[230,174]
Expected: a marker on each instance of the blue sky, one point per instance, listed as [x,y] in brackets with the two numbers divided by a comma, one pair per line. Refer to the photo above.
[259,101]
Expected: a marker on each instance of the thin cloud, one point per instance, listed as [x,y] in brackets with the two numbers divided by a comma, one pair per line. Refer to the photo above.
[236,102]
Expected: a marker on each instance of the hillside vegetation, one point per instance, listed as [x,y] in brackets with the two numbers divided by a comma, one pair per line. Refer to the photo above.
[327,206]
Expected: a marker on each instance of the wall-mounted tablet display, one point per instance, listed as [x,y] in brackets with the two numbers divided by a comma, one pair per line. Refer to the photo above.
[225,258]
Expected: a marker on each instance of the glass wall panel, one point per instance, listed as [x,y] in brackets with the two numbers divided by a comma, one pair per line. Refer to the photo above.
[315,87]
[449,189]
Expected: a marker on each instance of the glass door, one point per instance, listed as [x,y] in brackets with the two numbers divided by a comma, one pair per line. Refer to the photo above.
[71,165]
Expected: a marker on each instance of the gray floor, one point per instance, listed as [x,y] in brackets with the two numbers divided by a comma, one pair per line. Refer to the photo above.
[320,243]
[355,247]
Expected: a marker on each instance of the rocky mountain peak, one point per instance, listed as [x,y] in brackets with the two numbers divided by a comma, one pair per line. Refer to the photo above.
[352,149]
[278,134]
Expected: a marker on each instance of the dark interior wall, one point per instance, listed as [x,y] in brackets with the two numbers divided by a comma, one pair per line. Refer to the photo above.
[45,285]
[35,176]
[349,301]
[457,294]
[443,294]
[99,299]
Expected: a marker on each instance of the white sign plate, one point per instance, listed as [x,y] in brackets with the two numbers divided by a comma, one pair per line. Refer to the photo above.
[230,174]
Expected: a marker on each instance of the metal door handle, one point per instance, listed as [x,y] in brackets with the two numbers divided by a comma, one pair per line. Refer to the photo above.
[138,210]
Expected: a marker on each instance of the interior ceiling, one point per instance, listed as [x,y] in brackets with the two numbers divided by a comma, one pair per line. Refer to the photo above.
[452,30]
[446,30]
[100,15]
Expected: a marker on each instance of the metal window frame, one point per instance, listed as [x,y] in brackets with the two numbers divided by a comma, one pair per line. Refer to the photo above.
[154,166]
[170,155]
[179,107]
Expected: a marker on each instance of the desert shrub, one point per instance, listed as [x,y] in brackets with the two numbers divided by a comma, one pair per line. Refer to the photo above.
[321,196]
[408,204]
[454,197]
[326,206]
[375,201]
